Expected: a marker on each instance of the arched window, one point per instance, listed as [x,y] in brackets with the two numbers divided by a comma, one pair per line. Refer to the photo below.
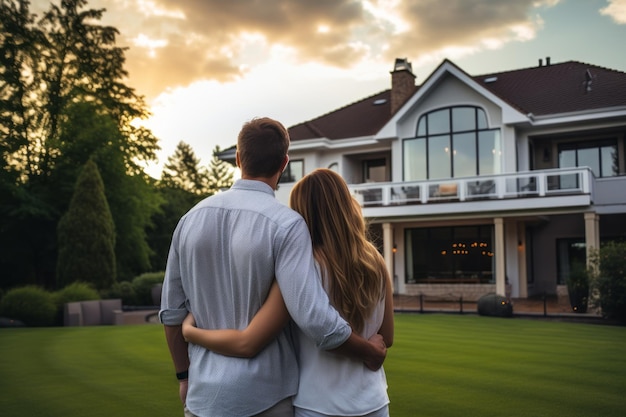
[452,142]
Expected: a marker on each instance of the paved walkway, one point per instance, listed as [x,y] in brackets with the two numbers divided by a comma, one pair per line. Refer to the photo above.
[141,316]
[550,308]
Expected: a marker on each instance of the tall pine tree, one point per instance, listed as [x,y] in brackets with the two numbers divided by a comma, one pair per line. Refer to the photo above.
[221,173]
[183,171]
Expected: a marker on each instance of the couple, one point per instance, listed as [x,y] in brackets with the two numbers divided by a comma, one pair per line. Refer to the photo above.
[241,260]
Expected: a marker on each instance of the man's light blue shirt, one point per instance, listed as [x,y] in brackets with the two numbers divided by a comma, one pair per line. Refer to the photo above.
[224,256]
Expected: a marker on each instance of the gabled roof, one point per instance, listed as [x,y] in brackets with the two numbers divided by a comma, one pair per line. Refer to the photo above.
[541,91]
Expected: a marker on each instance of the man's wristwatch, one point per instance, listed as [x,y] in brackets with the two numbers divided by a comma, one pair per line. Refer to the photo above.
[181,376]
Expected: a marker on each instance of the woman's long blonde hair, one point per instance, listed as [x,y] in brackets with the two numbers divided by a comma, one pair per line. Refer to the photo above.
[352,268]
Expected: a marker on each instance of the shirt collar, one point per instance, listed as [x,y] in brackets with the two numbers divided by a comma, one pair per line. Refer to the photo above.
[253,185]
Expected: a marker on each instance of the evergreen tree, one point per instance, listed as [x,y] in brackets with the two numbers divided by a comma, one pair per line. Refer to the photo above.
[221,173]
[88,132]
[86,234]
[182,185]
[183,171]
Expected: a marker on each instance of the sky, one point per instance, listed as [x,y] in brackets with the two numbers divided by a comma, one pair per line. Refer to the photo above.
[205,67]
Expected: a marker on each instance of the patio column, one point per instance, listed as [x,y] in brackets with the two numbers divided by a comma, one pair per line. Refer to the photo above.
[388,246]
[592,234]
[521,249]
[500,256]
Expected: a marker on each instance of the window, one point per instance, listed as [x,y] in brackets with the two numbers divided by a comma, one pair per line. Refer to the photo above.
[452,142]
[293,172]
[375,170]
[600,156]
[450,254]
[571,254]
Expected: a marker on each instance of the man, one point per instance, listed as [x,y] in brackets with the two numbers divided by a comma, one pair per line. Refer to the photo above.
[225,254]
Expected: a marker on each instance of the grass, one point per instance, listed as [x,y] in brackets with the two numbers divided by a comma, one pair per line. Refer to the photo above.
[440,365]
[453,365]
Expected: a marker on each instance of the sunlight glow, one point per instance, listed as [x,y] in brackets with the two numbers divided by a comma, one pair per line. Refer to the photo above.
[150,8]
[527,32]
[386,10]
[143,41]
[323,29]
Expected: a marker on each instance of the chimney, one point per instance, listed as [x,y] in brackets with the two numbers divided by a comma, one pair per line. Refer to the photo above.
[402,83]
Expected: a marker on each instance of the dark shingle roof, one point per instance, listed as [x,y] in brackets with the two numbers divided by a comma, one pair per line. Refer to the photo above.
[558,88]
[549,89]
[362,118]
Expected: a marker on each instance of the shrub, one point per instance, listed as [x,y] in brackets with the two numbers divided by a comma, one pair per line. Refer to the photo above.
[123,290]
[609,280]
[76,291]
[578,288]
[143,286]
[496,305]
[32,305]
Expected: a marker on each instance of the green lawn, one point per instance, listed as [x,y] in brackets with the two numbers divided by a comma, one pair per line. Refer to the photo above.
[440,365]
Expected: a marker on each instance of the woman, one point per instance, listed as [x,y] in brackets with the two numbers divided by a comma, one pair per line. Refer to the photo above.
[357,282]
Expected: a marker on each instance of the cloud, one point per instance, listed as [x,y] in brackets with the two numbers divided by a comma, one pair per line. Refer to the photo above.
[174,43]
[616,10]
[460,27]
[219,40]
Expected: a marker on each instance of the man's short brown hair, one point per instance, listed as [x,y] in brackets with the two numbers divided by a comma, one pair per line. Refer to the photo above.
[262,145]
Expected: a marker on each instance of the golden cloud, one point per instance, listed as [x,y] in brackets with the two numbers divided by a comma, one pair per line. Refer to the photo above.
[217,40]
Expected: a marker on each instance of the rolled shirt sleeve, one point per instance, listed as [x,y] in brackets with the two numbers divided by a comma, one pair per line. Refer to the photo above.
[174,305]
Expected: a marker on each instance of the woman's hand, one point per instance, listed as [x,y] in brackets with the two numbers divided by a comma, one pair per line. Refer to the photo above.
[188,324]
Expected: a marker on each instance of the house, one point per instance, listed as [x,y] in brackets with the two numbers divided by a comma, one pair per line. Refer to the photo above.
[475,184]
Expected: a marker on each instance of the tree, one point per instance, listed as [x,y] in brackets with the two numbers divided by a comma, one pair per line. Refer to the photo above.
[177,203]
[19,41]
[182,185]
[90,132]
[183,171]
[66,57]
[86,234]
[220,174]
[49,68]
[24,216]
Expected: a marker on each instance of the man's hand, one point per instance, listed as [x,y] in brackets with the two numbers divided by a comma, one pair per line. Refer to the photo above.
[372,352]
[182,390]
[379,354]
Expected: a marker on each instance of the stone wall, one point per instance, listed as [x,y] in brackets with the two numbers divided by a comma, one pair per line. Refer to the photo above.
[452,292]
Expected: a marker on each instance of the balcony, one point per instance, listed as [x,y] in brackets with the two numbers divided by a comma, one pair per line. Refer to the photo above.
[554,188]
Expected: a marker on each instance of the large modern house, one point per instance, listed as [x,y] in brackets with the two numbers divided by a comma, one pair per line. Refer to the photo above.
[474,184]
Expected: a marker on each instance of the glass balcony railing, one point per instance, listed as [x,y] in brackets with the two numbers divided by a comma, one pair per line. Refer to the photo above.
[544,183]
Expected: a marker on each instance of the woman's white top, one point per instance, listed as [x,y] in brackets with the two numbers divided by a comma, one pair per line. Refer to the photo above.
[334,384]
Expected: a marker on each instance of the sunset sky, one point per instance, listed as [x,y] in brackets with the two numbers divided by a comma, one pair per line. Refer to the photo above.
[207,66]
